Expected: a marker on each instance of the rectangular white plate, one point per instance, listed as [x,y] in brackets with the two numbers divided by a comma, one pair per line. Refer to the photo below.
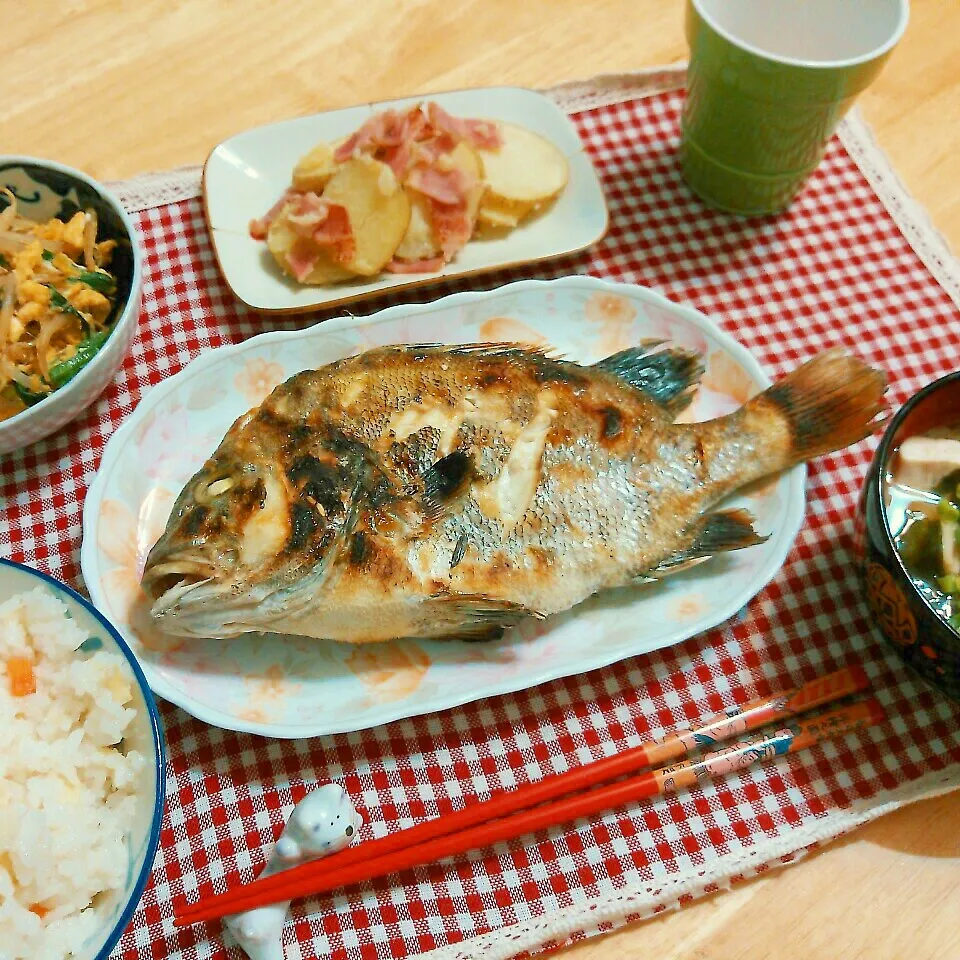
[244,176]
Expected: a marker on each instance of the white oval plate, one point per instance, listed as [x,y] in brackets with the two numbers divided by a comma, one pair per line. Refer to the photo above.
[245,175]
[295,687]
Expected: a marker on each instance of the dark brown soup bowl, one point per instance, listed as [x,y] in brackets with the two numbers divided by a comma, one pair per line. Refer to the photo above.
[905,617]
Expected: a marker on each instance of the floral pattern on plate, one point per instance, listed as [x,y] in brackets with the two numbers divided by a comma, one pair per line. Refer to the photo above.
[295,687]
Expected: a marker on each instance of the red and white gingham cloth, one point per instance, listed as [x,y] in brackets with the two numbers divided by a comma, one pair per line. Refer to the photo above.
[836,270]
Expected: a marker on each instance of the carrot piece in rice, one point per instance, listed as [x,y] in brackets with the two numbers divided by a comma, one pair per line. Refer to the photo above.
[22,679]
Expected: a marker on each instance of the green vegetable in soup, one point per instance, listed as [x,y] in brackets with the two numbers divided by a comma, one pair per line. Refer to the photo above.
[921,548]
[949,583]
[948,511]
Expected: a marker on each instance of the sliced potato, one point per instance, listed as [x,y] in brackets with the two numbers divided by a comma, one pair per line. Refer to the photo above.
[419,242]
[525,169]
[378,208]
[498,214]
[314,169]
[466,158]
[281,240]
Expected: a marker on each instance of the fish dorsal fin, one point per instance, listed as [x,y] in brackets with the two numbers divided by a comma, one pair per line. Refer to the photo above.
[525,351]
[668,377]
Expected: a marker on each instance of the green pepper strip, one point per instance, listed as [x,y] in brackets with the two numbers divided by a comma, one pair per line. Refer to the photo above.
[28,396]
[66,370]
[65,306]
[101,282]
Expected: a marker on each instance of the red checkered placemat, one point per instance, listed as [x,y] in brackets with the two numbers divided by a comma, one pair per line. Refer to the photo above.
[837,269]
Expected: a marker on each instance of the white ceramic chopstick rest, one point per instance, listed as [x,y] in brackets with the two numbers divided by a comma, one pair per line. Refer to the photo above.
[323,822]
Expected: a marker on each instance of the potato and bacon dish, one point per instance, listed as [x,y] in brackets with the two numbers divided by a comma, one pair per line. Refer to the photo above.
[405,193]
[56,302]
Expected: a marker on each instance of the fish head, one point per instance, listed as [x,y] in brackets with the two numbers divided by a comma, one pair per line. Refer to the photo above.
[253,533]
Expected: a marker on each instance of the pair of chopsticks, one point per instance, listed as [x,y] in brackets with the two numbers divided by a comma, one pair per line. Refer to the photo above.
[508,815]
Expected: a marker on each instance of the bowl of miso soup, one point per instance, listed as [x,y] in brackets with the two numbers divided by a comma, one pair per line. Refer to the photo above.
[909,534]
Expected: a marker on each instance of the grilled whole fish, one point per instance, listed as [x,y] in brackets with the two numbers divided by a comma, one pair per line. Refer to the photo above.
[432,491]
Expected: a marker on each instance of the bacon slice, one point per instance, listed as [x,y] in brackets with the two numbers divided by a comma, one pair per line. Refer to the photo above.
[326,224]
[405,140]
[448,187]
[346,149]
[336,232]
[383,132]
[415,125]
[481,133]
[370,133]
[427,152]
[259,226]
[398,159]
[302,259]
[416,266]
[307,212]
[452,227]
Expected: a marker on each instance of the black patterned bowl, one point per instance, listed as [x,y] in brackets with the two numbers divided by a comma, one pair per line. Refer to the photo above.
[45,189]
[901,611]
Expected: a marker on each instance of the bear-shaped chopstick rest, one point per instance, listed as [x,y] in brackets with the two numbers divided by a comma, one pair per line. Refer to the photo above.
[323,822]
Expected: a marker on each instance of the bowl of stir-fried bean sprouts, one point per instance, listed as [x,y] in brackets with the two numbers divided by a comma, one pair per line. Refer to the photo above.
[69,295]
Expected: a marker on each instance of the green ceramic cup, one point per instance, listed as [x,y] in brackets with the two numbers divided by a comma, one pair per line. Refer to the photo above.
[768,82]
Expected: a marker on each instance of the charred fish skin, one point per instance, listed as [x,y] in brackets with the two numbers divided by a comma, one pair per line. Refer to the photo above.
[430,491]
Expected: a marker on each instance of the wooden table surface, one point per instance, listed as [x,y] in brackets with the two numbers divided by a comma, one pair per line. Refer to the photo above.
[117,88]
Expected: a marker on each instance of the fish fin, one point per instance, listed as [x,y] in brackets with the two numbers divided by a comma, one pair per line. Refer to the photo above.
[669,377]
[718,532]
[445,482]
[828,403]
[459,550]
[473,617]
[491,349]
[524,351]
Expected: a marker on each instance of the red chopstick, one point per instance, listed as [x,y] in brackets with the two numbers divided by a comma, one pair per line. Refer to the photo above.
[457,827]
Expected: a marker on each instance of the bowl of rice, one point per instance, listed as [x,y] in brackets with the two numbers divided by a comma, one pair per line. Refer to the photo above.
[81,774]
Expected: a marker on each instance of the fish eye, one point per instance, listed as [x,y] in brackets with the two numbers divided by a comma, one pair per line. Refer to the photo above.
[349,831]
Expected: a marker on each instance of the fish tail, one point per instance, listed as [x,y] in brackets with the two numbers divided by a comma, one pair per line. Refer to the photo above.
[830,402]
